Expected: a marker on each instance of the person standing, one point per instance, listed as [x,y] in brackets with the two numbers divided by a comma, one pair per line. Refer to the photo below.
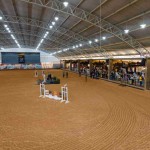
[67,74]
[63,74]
[141,80]
[44,78]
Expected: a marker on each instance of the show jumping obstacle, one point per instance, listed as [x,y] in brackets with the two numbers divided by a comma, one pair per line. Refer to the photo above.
[64,93]
[43,92]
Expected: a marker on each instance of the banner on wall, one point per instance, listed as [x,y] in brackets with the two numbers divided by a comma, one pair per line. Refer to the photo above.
[19,66]
[29,66]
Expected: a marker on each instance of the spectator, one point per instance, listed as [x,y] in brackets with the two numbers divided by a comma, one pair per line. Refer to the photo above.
[141,80]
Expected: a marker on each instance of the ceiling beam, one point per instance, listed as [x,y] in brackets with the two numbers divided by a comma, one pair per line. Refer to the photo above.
[90,18]
[66,18]
[34,34]
[6,38]
[45,26]
[122,8]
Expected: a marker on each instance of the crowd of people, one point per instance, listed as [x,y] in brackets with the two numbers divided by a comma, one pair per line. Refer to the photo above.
[119,73]
[99,72]
[85,70]
[135,78]
[96,72]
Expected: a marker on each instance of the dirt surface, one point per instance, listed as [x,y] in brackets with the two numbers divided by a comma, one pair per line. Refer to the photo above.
[100,115]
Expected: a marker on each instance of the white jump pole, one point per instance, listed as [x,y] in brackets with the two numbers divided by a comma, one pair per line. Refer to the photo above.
[64,94]
[67,101]
[42,90]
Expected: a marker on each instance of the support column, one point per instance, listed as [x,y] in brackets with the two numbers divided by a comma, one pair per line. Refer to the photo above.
[70,65]
[78,65]
[91,64]
[147,74]
[110,67]
[63,64]
[0,58]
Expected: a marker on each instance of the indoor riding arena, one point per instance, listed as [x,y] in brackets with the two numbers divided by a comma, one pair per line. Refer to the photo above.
[74,74]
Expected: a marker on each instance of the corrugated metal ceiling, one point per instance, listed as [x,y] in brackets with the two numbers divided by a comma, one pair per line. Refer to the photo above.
[122,13]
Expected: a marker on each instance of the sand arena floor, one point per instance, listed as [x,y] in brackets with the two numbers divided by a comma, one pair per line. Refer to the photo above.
[100,116]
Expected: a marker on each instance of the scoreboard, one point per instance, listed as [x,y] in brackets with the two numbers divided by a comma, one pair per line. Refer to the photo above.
[20,58]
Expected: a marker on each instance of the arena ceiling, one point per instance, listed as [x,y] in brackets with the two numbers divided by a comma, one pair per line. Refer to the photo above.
[77,28]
